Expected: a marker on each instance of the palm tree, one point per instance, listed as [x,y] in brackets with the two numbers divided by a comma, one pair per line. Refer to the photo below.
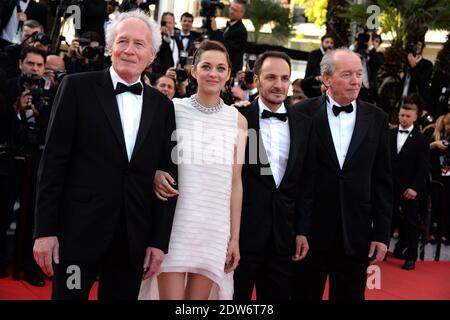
[338,25]
[405,19]
[261,12]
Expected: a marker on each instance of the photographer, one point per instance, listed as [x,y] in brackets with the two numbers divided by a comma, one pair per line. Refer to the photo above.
[371,62]
[234,36]
[166,85]
[31,36]
[186,35]
[169,52]
[28,109]
[13,16]
[418,72]
[183,86]
[85,54]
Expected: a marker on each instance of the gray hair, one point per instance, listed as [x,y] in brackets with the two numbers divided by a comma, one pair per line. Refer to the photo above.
[110,33]
[327,63]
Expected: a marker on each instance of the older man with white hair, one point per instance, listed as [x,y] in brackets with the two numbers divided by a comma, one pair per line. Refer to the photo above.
[108,133]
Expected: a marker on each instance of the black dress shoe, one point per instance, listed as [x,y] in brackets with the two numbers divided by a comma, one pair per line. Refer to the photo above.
[409,265]
[34,279]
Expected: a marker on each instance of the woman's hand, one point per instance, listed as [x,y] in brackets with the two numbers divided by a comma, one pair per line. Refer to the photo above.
[233,256]
[162,185]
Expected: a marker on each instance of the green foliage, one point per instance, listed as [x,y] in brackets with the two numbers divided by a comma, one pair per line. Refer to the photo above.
[261,12]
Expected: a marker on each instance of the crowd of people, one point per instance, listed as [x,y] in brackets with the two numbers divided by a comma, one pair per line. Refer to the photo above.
[168,164]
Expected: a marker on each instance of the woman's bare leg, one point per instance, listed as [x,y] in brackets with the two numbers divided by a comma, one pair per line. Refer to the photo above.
[198,287]
[172,285]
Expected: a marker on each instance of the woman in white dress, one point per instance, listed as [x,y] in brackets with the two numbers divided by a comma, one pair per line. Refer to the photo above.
[211,137]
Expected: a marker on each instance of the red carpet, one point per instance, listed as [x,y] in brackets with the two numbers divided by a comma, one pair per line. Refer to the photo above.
[430,281]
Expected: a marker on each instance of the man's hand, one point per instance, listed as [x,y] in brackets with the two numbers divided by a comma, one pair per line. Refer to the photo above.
[24,102]
[301,248]
[75,50]
[166,32]
[153,259]
[213,24]
[22,16]
[172,73]
[412,60]
[379,248]
[46,251]
[410,194]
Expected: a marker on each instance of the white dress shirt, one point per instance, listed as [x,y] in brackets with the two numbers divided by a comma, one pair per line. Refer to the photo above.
[341,128]
[401,137]
[11,31]
[184,41]
[276,138]
[130,108]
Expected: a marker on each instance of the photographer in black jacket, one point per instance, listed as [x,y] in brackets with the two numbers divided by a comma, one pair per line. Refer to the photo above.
[26,111]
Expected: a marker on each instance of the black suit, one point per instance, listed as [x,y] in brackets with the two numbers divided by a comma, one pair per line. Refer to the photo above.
[420,80]
[310,85]
[235,40]
[410,169]
[164,58]
[272,217]
[191,38]
[352,205]
[99,204]
[35,11]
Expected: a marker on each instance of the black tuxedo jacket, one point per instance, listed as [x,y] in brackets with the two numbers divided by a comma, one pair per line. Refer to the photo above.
[34,11]
[352,205]
[235,40]
[271,216]
[313,65]
[410,166]
[85,181]
[192,37]
[164,58]
[420,80]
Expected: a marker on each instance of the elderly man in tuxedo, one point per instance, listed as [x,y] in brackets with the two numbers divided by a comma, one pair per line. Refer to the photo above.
[108,133]
[353,194]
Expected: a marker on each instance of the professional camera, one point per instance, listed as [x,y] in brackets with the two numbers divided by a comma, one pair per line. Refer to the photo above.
[411,47]
[182,74]
[208,10]
[87,51]
[209,7]
[59,75]
[249,73]
[362,44]
[41,38]
[37,86]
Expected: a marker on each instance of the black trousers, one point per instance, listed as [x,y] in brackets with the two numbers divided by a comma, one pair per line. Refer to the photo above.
[347,276]
[409,226]
[119,278]
[270,272]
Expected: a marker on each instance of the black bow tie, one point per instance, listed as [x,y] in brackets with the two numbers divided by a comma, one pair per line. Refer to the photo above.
[135,88]
[184,37]
[337,109]
[268,114]
[403,131]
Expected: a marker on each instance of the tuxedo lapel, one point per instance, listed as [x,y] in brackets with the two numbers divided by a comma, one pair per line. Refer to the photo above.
[296,132]
[256,151]
[107,99]
[360,131]
[393,137]
[324,132]
[147,115]
[408,141]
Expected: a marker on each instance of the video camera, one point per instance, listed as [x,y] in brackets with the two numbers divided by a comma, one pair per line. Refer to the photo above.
[87,51]
[37,86]
[208,10]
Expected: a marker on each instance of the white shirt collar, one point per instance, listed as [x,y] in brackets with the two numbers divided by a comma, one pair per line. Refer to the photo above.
[116,78]
[262,107]
[331,102]
[408,129]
